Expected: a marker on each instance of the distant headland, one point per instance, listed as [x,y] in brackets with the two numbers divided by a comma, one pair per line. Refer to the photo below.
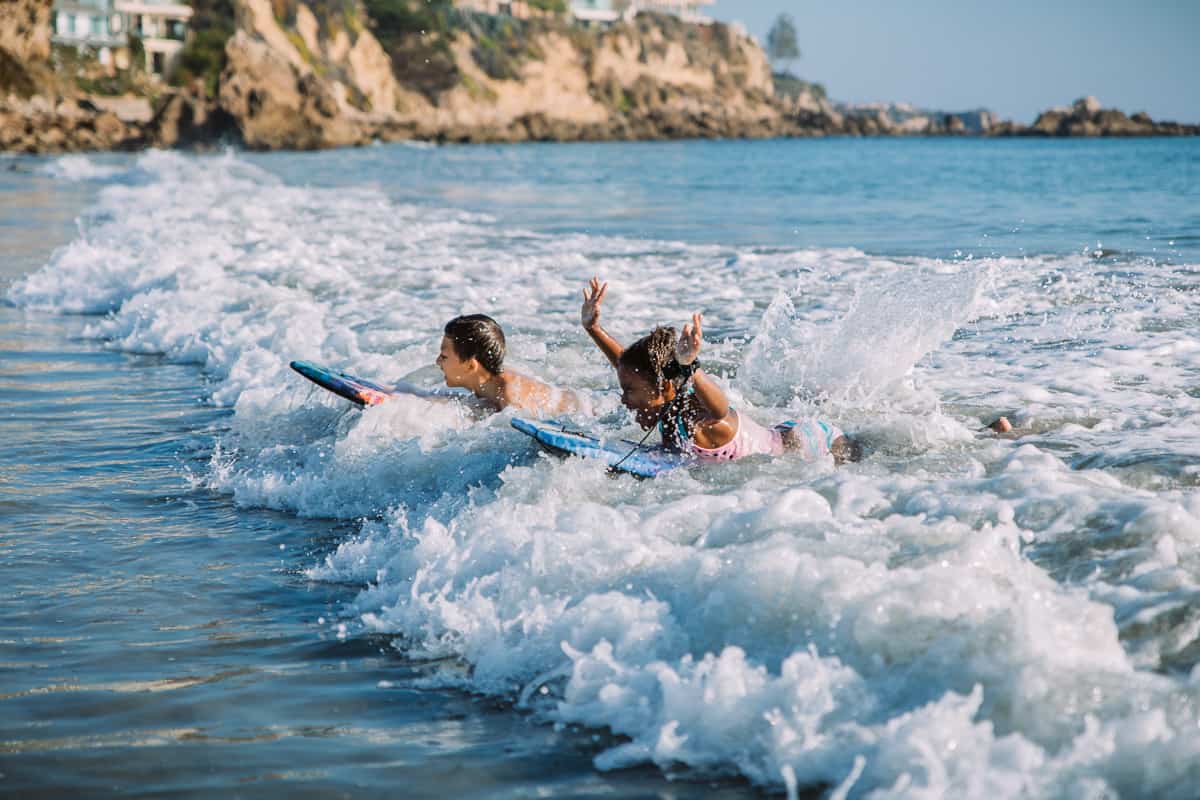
[311,74]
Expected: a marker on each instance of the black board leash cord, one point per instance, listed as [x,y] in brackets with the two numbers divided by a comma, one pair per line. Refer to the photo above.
[636,447]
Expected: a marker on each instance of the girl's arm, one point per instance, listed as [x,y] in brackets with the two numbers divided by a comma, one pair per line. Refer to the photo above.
[589,316]
[710,395]
[704,388]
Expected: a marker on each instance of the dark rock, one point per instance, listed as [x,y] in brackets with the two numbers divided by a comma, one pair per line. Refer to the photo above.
[189,119]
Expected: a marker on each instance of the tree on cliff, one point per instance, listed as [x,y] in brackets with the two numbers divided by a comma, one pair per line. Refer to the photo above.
[781,41]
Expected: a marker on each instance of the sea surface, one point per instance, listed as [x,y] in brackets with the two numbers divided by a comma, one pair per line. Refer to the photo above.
[219,580]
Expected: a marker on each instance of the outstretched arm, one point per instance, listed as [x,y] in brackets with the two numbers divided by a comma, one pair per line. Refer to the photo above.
[705,388]
[589,316]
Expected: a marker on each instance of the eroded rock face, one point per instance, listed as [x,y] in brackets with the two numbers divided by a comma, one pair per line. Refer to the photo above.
[25,29]
[24,46]
[188,119]
[653,78]
[276,105]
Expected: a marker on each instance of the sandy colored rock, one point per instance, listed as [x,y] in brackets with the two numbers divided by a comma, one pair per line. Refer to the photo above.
[25,29]
[371,70]
[257,18]
[308,28]
[276,106]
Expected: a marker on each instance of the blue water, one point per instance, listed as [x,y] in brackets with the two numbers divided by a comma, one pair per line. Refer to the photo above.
[205,565]
[939,198]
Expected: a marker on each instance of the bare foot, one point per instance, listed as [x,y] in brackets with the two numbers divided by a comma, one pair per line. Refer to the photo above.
[1001,425]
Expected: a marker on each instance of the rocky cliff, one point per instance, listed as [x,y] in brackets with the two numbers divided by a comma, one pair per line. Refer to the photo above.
[307,74]
[318,76]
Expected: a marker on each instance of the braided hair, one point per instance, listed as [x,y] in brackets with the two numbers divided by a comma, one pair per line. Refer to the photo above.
[653,357]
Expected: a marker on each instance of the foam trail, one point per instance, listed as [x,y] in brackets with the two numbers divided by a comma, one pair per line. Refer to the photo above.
[76,167]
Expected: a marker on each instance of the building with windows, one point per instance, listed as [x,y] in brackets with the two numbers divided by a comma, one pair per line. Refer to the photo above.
[687,10]
[91,25]
[612,10]
[520,9]
[595,10]
[104,27]
[598,11]
[161,27]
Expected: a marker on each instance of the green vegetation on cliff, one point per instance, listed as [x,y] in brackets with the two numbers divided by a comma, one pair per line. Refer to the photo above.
[553,6]
[416,34]
[788,85]
[203,56]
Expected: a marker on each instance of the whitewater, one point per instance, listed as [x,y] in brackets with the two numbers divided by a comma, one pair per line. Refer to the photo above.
[959,615]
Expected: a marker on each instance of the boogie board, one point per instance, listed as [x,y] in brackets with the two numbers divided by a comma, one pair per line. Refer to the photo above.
[644,461]
[356,390]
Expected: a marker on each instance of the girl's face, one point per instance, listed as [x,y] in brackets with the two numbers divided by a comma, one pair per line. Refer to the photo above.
[642,397]
[459,373]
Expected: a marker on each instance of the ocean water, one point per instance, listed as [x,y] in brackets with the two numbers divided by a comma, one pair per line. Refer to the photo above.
[221,580]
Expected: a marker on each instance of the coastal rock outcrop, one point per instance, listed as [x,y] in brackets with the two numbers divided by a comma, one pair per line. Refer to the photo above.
[307,74]
[277,104]
[1088,118]
[324,79]
[38,125]
[187,118]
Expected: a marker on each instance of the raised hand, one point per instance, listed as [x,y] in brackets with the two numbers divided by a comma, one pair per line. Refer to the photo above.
[589,315]
[688,347]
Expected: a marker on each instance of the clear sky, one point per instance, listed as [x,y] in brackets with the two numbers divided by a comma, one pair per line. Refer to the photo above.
[1016,57]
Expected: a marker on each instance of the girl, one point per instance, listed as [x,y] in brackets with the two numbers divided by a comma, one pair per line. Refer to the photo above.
[653,373]
[471,356]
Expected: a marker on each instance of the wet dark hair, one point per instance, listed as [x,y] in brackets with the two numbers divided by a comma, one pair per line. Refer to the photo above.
[652,357]
[478,336]
[846,448]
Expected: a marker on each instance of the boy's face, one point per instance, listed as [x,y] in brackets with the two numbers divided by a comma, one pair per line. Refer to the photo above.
[458,373]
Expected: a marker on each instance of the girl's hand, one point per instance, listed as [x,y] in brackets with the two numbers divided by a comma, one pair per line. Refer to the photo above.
[589,315]
[688,347]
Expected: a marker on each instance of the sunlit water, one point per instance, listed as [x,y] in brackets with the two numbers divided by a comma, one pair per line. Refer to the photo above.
[218,579]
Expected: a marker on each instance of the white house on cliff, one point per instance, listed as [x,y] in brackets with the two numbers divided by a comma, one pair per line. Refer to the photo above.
[601,11]
[104,27]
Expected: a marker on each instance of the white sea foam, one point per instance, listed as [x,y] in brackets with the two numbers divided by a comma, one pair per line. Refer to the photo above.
[75,167]
[957,616]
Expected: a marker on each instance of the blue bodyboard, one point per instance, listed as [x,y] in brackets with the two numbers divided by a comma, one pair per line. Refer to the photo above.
[357,390]
[644,461]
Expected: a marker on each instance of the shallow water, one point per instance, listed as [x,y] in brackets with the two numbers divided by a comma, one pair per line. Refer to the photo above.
[277,593]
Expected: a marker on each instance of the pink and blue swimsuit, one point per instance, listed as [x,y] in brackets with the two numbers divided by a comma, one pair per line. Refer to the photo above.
[814,439]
